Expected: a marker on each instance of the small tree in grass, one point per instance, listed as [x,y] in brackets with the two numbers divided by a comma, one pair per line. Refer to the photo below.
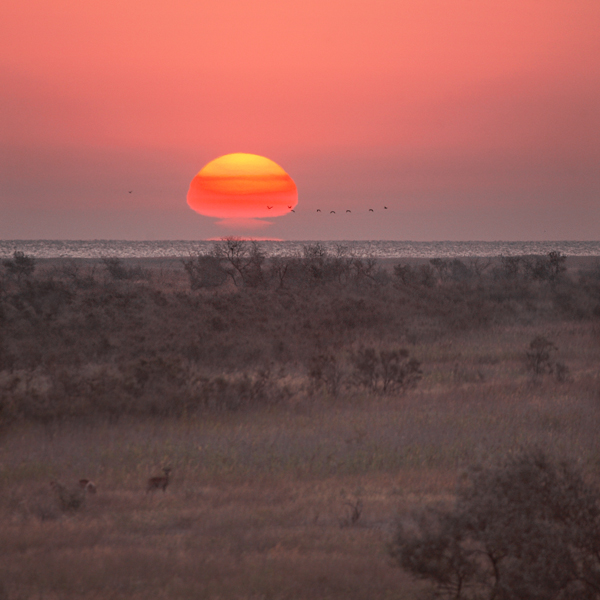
[385,370]
[241,260]
[21,265]
[325,371]
[204,271]
[524,529]
[540,356]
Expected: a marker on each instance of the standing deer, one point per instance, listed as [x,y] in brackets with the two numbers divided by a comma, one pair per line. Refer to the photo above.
[68,500]
[155,483]
[88,485]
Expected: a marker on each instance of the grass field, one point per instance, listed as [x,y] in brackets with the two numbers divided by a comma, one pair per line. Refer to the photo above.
[296,493]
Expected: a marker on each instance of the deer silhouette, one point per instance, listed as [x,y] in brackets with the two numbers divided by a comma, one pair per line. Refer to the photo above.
[88,485]
[155,483]
[68,500]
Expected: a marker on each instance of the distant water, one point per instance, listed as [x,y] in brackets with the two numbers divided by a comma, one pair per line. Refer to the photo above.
[378,249]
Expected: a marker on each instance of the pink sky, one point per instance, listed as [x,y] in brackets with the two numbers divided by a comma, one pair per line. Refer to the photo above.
[469,119]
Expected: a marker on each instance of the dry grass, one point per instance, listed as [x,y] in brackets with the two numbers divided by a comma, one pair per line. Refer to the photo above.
[260,500]
[258,504]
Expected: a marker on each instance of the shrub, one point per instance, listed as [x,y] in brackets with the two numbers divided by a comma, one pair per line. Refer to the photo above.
[545,268]
[539,356]
[21,265]
[510,267]
[424,275]
[405,274]
[442,267]
[325,372]
[81,278]
[44,297]
[318,267]
[204,271]
[459,271]
[118,271]
[115,268]
[238,392]
[385,370]
[556,262]
[524,529]
[241,260]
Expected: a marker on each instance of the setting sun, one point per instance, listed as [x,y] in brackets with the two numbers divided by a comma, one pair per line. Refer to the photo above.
[242,186]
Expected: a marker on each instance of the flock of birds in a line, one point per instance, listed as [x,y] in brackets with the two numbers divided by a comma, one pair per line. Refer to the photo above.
[73,499]
[331,212]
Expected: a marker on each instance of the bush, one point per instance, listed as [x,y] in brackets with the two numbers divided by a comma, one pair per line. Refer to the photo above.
[242,261]
[524,529]
[539,356]
[204,271]
[21,265]
[325,371]
[385,370]
[118,271]
[238,392]
[424,275]
[546,268]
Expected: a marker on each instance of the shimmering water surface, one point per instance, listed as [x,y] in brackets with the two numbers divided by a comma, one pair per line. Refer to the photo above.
[378,249]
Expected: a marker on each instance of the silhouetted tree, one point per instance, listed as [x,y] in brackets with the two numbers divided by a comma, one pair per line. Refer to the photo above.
[539,356]
[524,529]
[21,265]
[204,271]
[385,370]
[241,260]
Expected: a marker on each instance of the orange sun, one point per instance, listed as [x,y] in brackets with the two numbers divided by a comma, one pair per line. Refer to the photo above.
[242,187]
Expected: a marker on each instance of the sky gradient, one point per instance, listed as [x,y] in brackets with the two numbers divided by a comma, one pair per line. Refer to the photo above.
[469,119]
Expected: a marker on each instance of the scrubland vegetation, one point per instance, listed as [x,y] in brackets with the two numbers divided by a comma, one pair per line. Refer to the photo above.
[307,406]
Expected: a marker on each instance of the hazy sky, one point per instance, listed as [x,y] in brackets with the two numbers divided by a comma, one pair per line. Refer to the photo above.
[469,119]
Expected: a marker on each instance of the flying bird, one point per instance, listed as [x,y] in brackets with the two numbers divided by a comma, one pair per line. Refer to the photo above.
[269,207]
[348,211]
[289,207]
[370,210]
[332,212]
[385,207]
[293,211]
[318,210]
[130,191]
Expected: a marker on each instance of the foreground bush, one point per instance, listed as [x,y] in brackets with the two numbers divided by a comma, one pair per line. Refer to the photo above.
[526,529]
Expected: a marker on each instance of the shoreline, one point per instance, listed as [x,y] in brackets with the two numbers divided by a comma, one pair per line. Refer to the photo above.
[380,249]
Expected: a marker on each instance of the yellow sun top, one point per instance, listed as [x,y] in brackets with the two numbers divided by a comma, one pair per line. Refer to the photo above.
[242,186]
[240,164]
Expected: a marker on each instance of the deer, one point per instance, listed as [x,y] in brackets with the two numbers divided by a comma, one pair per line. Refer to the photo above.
[88,485]
[69,500]
[155,483]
